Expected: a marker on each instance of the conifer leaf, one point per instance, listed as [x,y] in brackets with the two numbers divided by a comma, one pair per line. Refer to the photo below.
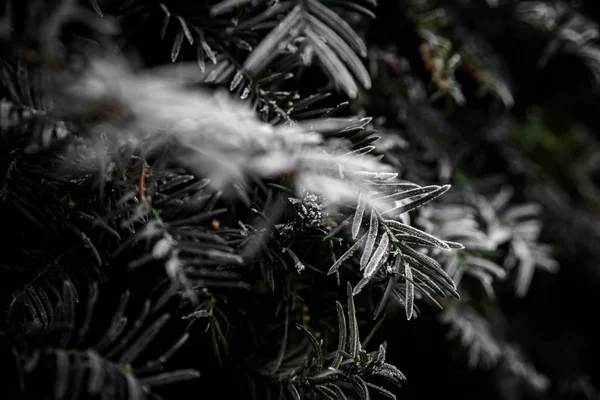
[200,58]
[293,391]
[78,367]
[316,346]
[431,268]
[268,47]
[235,82]
[337,229]
[96,7]
[36,306]
[226,6]
[428,282]
[177,45]
[326,392]
[353,338]
[354,7]
[371,334]
[358,215]
[394,187]
[410,292]
[137,325]
[454,245]
[371,238]
[347,254]
[426,237]
[412,192]
[378,256]
[173,349]
[208,50]
[418,202]
[361,388]
[167,378]
[309,101]
[134,391]
[344,51]
[297,263]
[144,340]
[186,30]
[217,336]
[360,285]
[166,20]
[342,333]
[48,307]
[62,374]
[32,361]
[325,376]
[269,12]
[487,265]
[96,378]
[336,23]
[332,65]
[391,284]
[382,390]
[339,393]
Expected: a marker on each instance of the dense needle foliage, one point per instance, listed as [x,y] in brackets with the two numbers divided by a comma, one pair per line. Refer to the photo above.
[299,199]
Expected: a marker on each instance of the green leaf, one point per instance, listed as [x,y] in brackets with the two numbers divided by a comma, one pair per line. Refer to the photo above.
[358,215]
[373,331]
[378,256]
[268,48]
[186,30]
[347,254]
[339,393]
[96,7]
[343,51]
[412,192]
[96,374]
[391,284]
[205,47]
[366,141]
[326,376]
[227,5]
[332,65]
[381,390]
[361,388]
[410,292]
[169,377]
[353,339]
[353,7]
[336,23]
[487,265]
[360,285]
[293,391]
[426,237]
[165,24]
[428,282]
[177,45]
[371,238]
[342,333]
[62,374]
[297,263]
[265,15]
[134,391]
[308,101]
[316,345]
[418,202]
[337,229]
[326,392]
[431,268]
